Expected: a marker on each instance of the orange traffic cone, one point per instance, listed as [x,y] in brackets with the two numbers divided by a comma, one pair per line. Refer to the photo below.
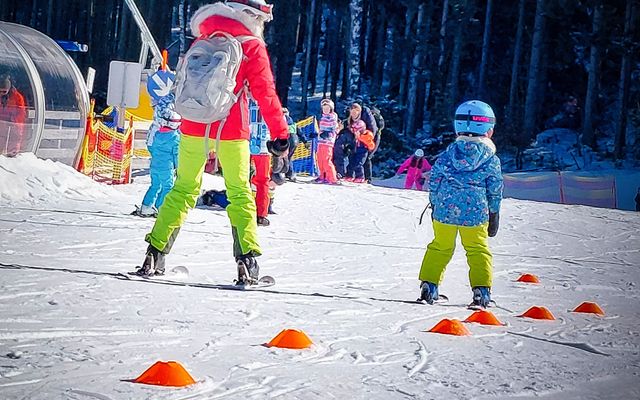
[528,278]
[588,307]
[483,317]
[450,327]
[166,374]
[538,313]
[290,339]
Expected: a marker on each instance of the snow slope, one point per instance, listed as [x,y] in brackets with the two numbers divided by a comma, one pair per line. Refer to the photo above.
[346,260]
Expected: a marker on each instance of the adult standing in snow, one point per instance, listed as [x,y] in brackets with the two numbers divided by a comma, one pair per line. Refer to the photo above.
[416,165]
[465,193]
[13,116]
[359,111]
[244,20]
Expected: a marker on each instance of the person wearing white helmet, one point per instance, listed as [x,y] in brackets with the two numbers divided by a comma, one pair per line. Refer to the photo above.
[162,142]
[465,194]
[225,26]
[328,124]
[416,166]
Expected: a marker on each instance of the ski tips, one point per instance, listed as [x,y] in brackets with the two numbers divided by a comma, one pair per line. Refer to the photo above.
[538,313]
[484,317]
[450,327]
[290,339]
[170,373]
[590,308]
[528,278]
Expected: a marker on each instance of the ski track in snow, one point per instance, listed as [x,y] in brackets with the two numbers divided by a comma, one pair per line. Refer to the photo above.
[346,261]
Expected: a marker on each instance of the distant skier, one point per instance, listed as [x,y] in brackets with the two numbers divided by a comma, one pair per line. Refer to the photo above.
[416,166]
[212,24]
[162,142]
[328,130]
[465,193]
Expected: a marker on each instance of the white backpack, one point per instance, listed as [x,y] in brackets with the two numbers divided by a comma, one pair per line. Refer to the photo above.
[206,78]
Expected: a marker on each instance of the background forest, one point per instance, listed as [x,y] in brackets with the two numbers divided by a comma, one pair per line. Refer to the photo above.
[540,63]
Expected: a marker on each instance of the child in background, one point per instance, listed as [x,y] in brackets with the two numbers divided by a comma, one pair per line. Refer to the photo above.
[328,130]
[465,193]
[416,166]
[162,143]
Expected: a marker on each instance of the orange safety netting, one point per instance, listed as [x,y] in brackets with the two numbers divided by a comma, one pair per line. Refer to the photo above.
[106,152]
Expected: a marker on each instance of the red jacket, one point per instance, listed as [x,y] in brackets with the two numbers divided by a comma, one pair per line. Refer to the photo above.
[13,116]
[256,71]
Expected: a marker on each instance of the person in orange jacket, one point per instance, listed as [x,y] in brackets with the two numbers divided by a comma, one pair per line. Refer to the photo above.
[13,115]
[364,144]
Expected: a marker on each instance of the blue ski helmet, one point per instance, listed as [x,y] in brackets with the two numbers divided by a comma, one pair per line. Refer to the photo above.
[475,117]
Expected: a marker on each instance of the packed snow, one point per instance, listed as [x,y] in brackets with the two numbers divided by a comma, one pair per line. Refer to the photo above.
[346,261]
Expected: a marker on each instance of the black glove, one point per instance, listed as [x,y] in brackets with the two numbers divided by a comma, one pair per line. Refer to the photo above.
[494,223]
[278,147]
[324,135]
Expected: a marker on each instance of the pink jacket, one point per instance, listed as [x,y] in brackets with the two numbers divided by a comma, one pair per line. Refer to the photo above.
[414,168]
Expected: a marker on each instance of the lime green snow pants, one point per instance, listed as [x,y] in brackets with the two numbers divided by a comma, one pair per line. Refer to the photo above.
[440,250]
[234,158]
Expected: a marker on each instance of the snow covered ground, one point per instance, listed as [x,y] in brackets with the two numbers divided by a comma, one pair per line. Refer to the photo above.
[346,261]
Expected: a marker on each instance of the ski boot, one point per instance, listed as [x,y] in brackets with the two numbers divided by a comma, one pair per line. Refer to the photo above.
[481,297]
[153,263]
[145,211]
[248,270]
[428,292]
[263,221]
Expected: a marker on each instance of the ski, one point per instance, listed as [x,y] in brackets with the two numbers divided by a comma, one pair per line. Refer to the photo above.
[263,282]
[442,299]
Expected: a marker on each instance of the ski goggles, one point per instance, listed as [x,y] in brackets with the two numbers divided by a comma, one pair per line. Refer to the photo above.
[265,8]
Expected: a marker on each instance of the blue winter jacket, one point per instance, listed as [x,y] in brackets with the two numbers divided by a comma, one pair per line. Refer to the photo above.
[466,182]
[164,152]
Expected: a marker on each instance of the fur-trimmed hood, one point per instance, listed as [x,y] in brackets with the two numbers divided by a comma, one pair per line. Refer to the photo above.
[221,9]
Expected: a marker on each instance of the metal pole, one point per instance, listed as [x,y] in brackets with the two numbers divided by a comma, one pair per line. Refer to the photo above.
[147,37]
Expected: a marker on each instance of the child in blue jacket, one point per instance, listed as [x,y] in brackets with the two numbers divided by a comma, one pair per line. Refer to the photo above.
[465,193]
[162,143]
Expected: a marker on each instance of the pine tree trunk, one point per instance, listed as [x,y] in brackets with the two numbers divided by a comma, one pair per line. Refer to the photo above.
[282,55]
[534,81]
[515,65]
[456,56]
[407,50]
[353,71]
[630,27]
[377,62]
[307,55]
[443,33]
[486,41]
[315,48]
[417,69]
[588,137]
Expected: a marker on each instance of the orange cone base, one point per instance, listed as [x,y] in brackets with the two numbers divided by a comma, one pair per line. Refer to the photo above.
[588,307]
[528,278]
[290,339]
[450,327]
[538,313]
[170,373]
[484,317]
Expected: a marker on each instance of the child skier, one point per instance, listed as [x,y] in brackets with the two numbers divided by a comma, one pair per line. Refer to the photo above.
[465,193]
[364,144]
[416,166]
[162,142]
[261,161]
[328,129]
